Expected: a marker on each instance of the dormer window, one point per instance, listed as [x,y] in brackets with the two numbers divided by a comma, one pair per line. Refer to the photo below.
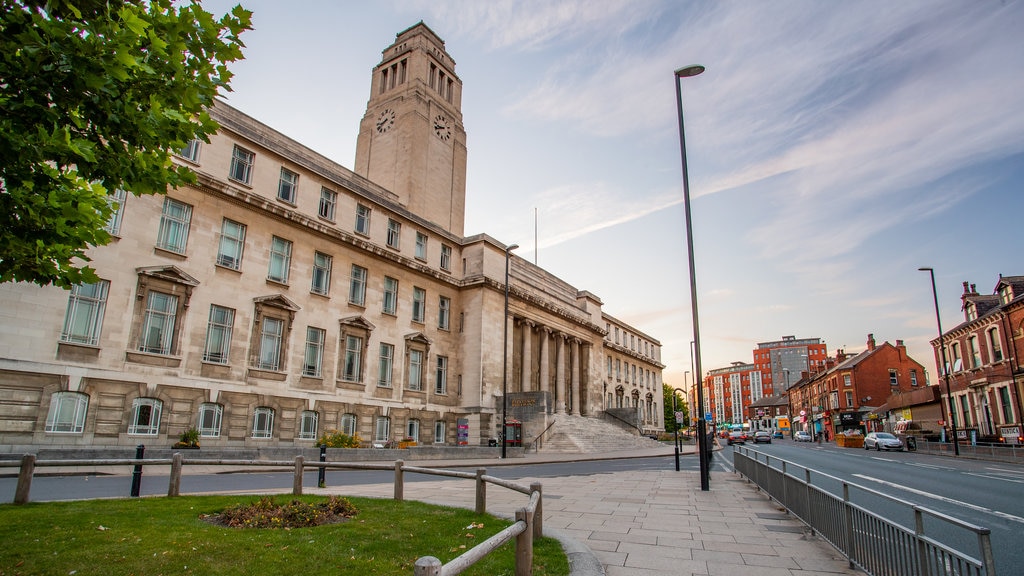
[1005,294]
[971,311]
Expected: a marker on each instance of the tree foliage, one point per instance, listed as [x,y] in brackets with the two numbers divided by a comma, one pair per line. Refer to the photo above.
[94,97]
[680,404]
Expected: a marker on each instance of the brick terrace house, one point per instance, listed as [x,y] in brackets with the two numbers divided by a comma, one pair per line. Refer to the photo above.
[982,357]
[840,396]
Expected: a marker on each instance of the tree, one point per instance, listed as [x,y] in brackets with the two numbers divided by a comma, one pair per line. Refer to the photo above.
[680,404]
[94,97]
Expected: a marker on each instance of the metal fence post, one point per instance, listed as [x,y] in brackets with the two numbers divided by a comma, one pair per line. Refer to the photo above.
[481,491]
[28,466]
[399,481]
[538,512]
[321,478]
[300,462]
[524,545]
[848,519]
[140,452]
[174,486]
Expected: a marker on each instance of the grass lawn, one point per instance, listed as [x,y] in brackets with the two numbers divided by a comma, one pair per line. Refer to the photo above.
[154,536]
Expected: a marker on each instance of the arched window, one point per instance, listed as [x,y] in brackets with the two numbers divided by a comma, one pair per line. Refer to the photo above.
[67,413]
[145,417]
[210,416]
[263,422]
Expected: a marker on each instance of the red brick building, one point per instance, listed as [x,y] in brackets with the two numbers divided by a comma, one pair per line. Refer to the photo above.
[728,391]
[983,363]
[782,361]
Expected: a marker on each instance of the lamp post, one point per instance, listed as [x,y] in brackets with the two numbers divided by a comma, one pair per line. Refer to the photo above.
[504,360]
[702,443]
[945,366]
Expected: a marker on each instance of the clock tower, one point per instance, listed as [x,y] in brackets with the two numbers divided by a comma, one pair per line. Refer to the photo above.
[411,139]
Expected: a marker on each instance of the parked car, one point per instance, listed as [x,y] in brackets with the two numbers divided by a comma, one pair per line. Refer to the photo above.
[882,441]
[778,434]
[737,437]
[762,436]
[802,436]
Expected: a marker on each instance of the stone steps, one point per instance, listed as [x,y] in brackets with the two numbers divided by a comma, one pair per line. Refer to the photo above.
[580,434]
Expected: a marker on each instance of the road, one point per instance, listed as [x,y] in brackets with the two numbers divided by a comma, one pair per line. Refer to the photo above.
[981,492]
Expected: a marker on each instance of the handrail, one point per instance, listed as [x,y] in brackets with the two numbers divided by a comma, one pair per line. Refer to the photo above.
[630,424]
[537,440]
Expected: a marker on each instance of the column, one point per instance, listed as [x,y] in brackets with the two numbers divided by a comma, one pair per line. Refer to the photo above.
[524,382]
[576,392]
[545,372]
[560,375]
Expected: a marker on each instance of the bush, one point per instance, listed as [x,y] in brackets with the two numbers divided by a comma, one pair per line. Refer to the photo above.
[188,439]
[336,439]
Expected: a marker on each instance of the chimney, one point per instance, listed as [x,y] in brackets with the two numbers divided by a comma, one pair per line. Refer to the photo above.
[871,341]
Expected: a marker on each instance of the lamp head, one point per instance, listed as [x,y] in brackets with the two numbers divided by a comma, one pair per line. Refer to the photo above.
[924,269]
[687,71]
[512,247]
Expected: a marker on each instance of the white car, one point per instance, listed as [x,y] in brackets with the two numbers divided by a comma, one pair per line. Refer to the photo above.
[802,436]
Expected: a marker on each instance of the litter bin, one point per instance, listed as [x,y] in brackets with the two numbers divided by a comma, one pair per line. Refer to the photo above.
[911,443]
[492,442]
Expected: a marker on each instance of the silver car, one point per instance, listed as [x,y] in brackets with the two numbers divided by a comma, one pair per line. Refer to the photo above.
[882,441]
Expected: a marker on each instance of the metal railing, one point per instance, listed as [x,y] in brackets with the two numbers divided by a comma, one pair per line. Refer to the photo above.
[529,520]
[878,545]
[978,450]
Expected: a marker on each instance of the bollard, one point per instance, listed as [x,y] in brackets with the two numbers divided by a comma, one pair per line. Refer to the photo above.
[321,480]
[140,451]
[28,466]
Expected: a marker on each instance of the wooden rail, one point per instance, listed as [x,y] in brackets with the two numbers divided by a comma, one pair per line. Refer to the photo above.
[529,523]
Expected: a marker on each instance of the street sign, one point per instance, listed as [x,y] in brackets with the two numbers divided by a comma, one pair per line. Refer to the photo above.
[707,417]
[679,417]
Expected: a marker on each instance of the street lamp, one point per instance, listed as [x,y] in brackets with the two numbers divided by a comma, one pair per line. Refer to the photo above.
[945,366]
[702,447]
[504,360]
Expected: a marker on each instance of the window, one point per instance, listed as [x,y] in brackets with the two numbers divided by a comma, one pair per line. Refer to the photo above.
[271,340]
[419,297]
[174,220]
[349,424]
[232,240]
[412,430]
[288,186]
[67,413]
[357,286]
[966,410]
[846,380]
[328,201]
[382,431]
[441,381]
[893,378]
[210,417]
[83,320]
[849,399]
[241,165]
[1004,404]
[957,362]
[439,432]
[308,425]
[321,274]
[116,199]
[394,233]
[415,370]
[390,302]
[444,305]
[994,345]
[387,355]
[191,150]
[312,365]
[446,257]
[913,377]
[421,246]
[263,422]
[145,417]
[157,335]
[280,260]
[972,346]
[218,334]
[362,220]
[352,368]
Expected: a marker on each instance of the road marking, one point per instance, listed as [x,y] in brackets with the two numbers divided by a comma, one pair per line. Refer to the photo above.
[994,477]
[883,459]
[1004,470]
[930,466]
[1002,515]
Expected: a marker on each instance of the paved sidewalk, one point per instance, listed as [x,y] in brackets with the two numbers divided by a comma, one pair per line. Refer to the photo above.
[644,523]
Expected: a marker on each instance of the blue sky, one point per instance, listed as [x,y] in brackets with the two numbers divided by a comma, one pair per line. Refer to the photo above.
[834,148]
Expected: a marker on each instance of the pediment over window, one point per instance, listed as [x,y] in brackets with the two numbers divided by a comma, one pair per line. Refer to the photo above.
[168,273]
[417,338]
[277,301]
[357,322]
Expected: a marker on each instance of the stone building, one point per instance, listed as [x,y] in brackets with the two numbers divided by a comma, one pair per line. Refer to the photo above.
[283,295]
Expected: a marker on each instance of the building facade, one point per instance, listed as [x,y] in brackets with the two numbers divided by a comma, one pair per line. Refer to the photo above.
[283,295]
[782,361]
[729,391]
[982,364]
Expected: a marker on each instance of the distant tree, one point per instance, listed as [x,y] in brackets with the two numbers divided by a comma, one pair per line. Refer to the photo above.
[670,418]
[95,95]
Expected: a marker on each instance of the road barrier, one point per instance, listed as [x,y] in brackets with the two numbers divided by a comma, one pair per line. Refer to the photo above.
[876,545]
[529,523]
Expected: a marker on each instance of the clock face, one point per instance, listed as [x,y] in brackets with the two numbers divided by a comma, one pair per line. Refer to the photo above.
[386,120]
[442,128]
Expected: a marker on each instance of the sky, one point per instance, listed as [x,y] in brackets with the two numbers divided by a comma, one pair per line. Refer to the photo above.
[833,148]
